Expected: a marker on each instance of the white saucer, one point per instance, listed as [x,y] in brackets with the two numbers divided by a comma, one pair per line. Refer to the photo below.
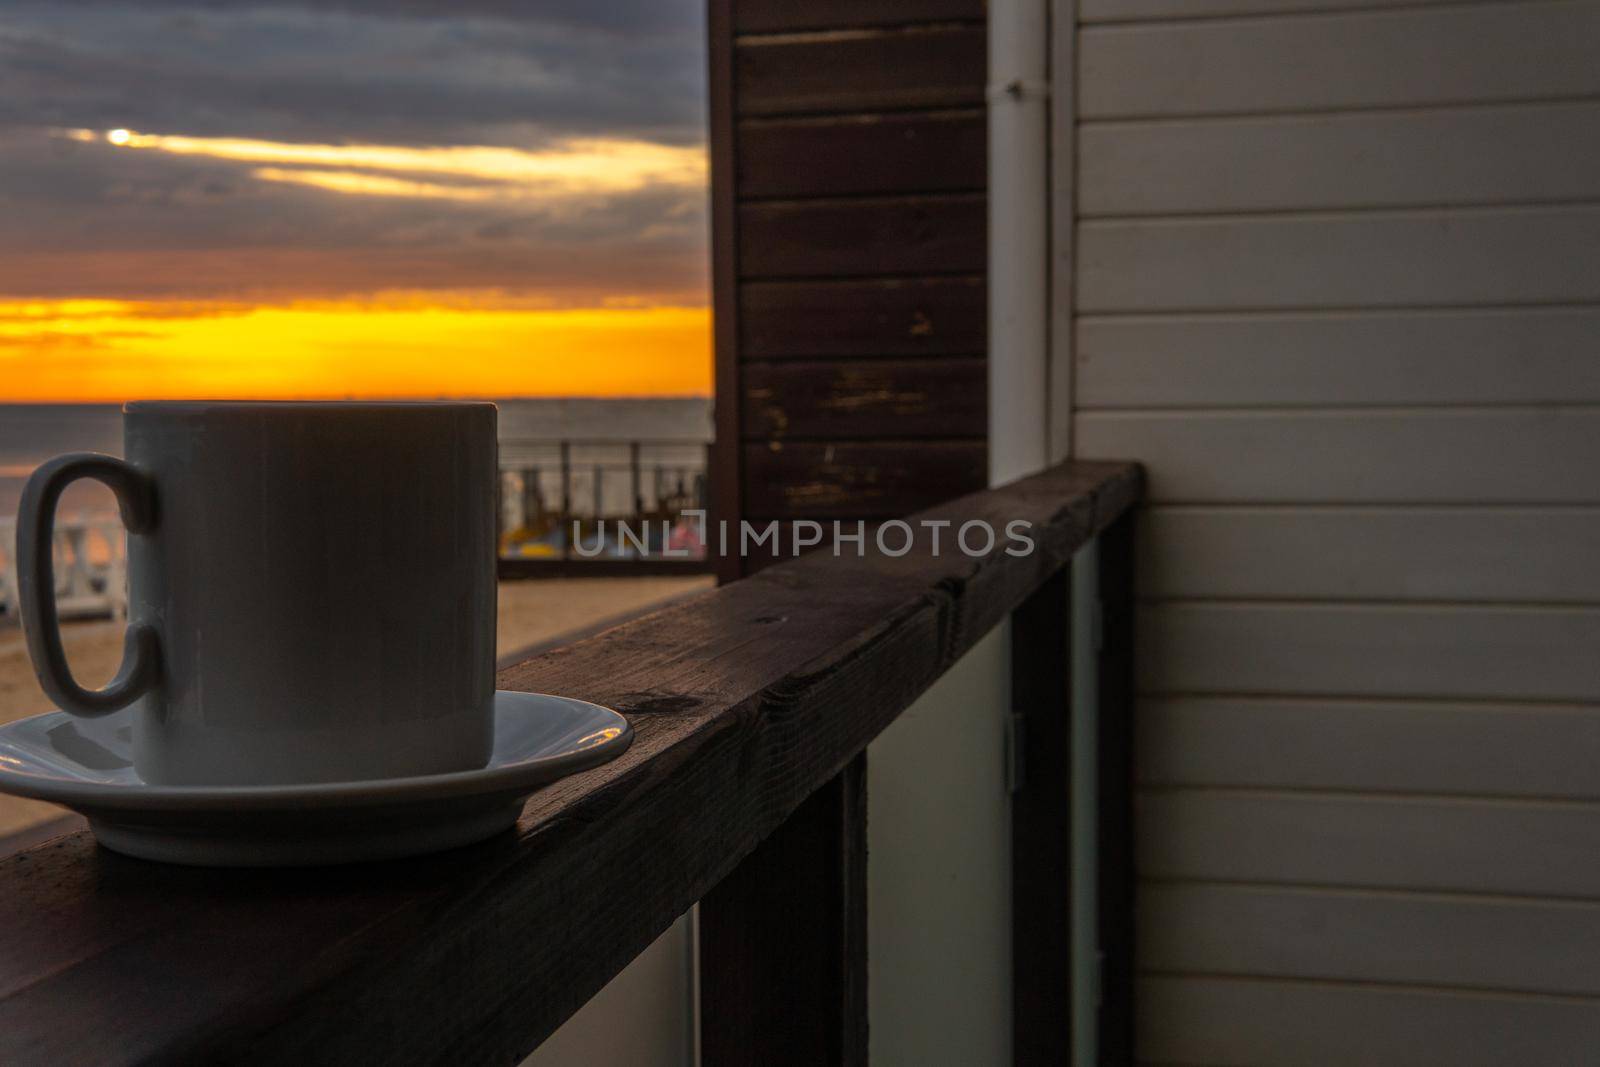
[87,765]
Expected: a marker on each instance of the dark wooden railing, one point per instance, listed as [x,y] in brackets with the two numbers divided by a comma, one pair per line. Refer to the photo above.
[752,705]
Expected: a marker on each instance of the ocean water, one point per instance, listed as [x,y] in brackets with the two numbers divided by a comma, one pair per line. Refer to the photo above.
[32,433]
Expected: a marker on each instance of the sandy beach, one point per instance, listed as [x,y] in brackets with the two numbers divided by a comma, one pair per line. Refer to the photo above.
[530,613]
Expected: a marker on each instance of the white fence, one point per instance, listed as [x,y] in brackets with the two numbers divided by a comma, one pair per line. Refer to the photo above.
[91,568]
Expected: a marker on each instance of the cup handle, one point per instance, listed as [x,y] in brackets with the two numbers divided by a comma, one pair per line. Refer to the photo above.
[36,583]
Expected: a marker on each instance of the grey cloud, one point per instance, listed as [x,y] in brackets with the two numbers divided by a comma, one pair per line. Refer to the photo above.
[289,72]
[75,219]
[625,17]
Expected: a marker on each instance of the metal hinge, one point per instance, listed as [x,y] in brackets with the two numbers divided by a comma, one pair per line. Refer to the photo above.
[1016,736]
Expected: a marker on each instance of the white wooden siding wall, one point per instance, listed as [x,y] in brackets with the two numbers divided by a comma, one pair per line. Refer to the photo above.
[1338,282]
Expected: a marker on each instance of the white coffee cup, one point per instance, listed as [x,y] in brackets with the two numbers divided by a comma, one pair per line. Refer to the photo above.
[311,589]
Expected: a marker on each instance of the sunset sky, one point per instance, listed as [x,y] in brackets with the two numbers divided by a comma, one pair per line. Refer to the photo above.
[363,198]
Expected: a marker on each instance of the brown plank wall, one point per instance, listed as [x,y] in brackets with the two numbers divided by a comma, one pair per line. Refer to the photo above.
[849,250]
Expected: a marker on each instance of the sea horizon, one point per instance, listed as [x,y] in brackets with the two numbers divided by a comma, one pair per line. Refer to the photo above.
[32,432]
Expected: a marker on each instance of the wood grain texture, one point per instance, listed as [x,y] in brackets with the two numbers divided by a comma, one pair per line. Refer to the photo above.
[788,16]
[1443,844]
[1482,155]
[1497,256]
[1462,356]
[864,155]
[861,400]
[854,480]
[1540,555]
[878,317]
[1478,456]
[1468,53]
[38,833]
[1489,943]
[1440,651]
[893,235]
[723,463]
[1372,745]
[1198,1021]
[860,231]
[868,70]
[744,701]
[783,940]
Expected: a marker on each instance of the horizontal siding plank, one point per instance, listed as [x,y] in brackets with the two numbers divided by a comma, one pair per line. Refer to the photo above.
[1401,938]
[1449,651]
[1446,55]
[1445,257]
[1361,182]
[865,399]
[1519,848]
[1466,356]
[1545,555]
[879,317]
[787,16]
[864,154]
[1519,154]
[1134,10]
[1243,1023]
[912,235]
[1415,456]
[1382,746]
[873,70]
[859,480]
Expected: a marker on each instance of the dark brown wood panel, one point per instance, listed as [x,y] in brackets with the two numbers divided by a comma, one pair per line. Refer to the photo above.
[1041,825]
[868,70]
[744,702]
[723,468]
[787,16]
[877,317]
[1115,818]
[858,479]
[901,235]
[849,167]
[863,399]
[783,940]
[863,155]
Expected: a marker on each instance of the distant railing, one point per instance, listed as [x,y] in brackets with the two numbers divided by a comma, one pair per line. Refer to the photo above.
[626,501]
[752,706]
[91,568]
[590,505]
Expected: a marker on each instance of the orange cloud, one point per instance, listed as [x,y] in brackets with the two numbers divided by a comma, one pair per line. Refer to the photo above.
[398,346]
[360,184]
[586,165]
